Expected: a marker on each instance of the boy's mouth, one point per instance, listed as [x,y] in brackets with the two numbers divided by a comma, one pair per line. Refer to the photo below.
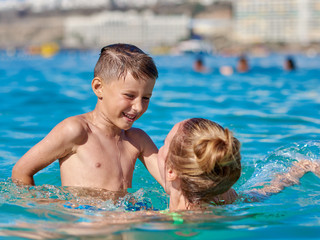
[130,117]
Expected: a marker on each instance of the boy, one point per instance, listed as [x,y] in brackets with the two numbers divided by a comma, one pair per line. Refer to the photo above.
[99,149]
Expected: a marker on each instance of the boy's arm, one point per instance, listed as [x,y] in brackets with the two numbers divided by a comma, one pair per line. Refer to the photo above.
[58,143]
[290,178]
[148,154]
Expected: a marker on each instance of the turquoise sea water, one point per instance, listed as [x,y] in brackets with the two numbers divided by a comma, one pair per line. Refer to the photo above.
[275,114]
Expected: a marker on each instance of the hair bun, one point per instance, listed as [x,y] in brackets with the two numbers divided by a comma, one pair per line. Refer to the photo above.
[209,152]
[206,157]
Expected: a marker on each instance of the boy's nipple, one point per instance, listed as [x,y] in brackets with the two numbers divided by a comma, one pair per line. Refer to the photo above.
[98,165]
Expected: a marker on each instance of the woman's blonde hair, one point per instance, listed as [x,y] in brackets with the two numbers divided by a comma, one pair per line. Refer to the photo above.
[206,158]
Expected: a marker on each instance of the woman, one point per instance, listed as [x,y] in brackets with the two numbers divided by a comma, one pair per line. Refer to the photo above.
[200,162]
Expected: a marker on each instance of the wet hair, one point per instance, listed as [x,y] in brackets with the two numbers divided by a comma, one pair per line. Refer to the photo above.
[117,60]
[199,61]
[242,65]
[290,64]
[206,158]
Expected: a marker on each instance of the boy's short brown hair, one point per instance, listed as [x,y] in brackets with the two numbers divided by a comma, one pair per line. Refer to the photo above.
[117,60]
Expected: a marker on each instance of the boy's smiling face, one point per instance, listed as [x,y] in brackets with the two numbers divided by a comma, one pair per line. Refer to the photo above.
[125,100]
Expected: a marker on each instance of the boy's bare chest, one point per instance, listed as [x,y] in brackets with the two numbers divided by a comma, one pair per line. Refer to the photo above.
[115,157]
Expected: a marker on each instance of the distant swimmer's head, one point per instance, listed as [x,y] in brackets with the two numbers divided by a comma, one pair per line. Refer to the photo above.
[242,65]
[205,158]
[116,61]
[289,64]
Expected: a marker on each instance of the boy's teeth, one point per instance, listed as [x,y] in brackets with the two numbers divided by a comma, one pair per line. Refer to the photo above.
[128,116]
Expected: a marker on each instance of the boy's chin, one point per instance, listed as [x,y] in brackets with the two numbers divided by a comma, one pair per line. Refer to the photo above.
[126,126]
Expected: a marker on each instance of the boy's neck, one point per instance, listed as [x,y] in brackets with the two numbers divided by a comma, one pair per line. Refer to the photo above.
[100,121]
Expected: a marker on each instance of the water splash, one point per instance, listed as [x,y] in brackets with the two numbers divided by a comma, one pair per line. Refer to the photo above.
[280,160]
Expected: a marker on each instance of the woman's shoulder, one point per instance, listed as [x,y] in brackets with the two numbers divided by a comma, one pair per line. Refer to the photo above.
[228,197]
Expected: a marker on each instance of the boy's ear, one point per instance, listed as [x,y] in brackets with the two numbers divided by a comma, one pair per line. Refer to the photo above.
[97,86]
[171,175]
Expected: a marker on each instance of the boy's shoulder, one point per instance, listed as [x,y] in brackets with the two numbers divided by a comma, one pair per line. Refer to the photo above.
[136,132]
[75,127]
[141,140]
[138,136]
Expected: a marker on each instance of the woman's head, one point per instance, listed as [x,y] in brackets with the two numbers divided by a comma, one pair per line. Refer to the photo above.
[205,157]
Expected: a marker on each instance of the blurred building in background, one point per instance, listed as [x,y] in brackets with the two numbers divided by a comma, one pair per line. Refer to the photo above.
[229,26]
[142,29]
[285,21]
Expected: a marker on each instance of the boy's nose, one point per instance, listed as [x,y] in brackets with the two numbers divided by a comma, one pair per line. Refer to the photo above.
[137,106]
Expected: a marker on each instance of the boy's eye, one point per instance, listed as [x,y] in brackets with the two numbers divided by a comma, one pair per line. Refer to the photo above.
[129,96]
[146,98]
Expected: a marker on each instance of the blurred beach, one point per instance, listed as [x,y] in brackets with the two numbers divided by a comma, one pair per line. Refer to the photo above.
[228,27]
